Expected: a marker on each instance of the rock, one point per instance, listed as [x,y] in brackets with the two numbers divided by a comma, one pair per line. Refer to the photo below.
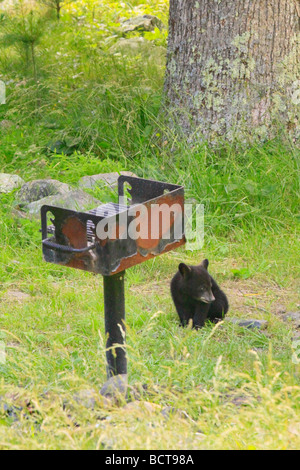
[76,200]
[128,173]
[6,124]
[11,411]
[67,147]
[18,214]
[141,23]
[16,408]
[16,296]
[239,400]
[296,336]
[9,182]
[250,323]
[86,398]
[115,387]
[91,400]
[280,309]
[293,317]
[38,189]
[103,179]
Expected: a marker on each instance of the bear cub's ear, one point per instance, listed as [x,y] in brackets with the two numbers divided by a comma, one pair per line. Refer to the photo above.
[184,269]
[205,263]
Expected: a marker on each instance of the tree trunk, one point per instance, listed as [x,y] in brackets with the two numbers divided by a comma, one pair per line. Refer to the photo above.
[33,62]
[233,66]
[58,8]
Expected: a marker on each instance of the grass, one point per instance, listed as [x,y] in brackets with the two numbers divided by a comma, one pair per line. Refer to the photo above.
[239,388]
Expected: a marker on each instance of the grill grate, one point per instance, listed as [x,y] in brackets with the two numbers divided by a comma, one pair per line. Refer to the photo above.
[105,210]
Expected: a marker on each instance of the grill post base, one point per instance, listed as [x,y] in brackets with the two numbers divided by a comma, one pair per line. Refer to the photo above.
[114,309]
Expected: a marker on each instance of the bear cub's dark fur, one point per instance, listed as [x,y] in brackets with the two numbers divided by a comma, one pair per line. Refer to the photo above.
[197,296]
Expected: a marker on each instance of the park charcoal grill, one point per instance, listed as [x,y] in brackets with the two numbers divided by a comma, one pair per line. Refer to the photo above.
[113,237]
[75,242]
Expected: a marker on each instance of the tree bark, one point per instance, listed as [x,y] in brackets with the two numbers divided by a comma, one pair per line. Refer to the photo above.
[58,8]
[233,66]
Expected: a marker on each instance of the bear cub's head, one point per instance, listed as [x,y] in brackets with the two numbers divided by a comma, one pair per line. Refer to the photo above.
[196,282]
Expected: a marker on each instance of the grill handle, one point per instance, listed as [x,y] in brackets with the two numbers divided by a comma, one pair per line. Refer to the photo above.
[66,249]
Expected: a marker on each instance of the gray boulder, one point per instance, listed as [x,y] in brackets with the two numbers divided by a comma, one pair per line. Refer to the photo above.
[76,200]
[250,323]
[9,182]
[115,387]
[141,23]
[293,317]
[86,398]
[38,189]
[102,180]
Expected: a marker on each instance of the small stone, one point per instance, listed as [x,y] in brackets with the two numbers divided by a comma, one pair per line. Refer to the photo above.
[66,147]
[86,398]
[11,411]
[89,399]
[141,23]
[250,323]
[18,214]
[280,309]
[115,387]
[128,173]
[293,317]
[16,296]
[74,200]
[238,400]
[38,189]
[103,179]
[296,336]
[16,407]
[10,182]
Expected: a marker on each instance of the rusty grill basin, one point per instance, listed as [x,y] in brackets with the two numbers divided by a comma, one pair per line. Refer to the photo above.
[100,240]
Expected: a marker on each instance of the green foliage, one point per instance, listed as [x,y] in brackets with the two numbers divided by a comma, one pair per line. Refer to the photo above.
[56,5]
[23,29]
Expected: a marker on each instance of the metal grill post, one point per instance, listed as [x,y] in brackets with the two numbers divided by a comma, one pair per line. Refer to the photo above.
[114,309]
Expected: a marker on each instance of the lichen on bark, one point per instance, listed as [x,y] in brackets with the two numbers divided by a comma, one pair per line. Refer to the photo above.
[233,67]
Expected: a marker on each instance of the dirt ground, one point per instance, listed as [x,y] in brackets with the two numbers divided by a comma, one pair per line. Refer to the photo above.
[247,298]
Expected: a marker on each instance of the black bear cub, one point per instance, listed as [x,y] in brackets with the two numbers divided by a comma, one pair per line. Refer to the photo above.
[197,296]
